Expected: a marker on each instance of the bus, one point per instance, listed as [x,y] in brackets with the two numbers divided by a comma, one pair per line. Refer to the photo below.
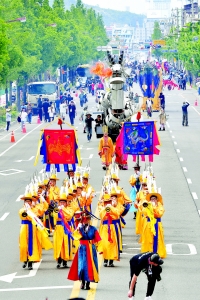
[48,90]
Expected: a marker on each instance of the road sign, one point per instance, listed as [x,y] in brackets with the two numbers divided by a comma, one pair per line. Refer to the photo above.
[159,42]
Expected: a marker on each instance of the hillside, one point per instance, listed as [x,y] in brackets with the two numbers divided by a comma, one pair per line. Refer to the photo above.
[111,16]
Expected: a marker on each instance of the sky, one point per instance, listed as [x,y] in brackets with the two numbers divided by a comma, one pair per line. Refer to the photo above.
[135,6]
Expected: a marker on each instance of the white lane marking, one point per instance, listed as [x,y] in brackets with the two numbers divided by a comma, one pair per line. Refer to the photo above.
[181,159]
[168,125]
[134,248]
[4,216]
[199,212]
[38,288]
[89,148]
[3,173]
[184,169]
[178,151]
[32,157]
[195,110]
[170,131]
[173,136]
[10,277]
[19,140]
[19,198]
[175,143]
[194,195]
[189,180]
[91,156]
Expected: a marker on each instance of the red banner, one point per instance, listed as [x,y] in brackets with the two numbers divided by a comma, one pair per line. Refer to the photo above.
[60,146]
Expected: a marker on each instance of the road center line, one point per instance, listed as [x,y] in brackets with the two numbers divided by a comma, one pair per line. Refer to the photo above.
[178,151]
[181,159]
[19,140]
[175,143]
[4,216]
[189,180]
[184,169]
[37,288]
[91,156]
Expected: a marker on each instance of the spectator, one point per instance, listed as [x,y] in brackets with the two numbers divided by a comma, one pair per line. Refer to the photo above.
[57,105]
[63,108]
[98,122]
[83,116]
[51,111]
[92,88]
[185,113]
[8,119]
[82,98]
[149,103]
[23,117]
[45,106]
[162,100]
[72,112]
[29,113]
[88,122]
[69,98]
[39,107]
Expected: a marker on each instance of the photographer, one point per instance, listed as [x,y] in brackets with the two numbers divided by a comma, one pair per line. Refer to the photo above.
[149,263]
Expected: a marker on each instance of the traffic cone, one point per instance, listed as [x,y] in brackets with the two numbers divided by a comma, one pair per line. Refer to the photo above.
[12,138]
[196,103]
[24,128]
[38,120]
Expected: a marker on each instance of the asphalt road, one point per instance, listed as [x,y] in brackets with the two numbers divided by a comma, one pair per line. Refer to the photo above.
[177,172]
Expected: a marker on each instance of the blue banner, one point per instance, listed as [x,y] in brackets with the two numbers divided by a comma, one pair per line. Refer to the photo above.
[138,138]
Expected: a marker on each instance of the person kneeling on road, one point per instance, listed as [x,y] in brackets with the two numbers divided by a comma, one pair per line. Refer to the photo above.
[149,263]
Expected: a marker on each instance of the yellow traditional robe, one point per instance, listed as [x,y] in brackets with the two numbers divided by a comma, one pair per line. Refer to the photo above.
[87,200]
[54,193]
[149,241]
[111,250]
[43,239]
[62,244]
[106,150]
[132,180]
[25,233]
[140,197]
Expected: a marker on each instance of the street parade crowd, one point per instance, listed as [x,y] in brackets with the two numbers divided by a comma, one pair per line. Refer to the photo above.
[66,212]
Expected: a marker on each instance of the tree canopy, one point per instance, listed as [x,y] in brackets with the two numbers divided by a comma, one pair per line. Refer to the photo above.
[51,37]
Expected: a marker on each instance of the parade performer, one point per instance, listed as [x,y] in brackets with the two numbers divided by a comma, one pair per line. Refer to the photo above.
[54,191]
[106,149]
[150,263]
[153,233]
[140,197]
[29,244]
[123,198]
[85,264]
[88,192]
[135,181]
[62,238]
[110,231]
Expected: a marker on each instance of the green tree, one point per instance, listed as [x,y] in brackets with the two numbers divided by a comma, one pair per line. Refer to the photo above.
[157,35]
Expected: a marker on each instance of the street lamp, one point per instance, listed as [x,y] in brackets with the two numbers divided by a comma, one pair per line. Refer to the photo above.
[22,20]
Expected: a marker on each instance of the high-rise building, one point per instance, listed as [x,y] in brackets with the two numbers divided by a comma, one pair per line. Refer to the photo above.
[158,8]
